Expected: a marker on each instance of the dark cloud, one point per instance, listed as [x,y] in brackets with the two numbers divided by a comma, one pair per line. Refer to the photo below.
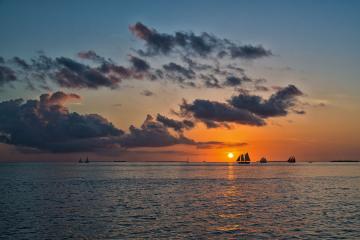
[178,126]
[58,98]
[156,42]
[188,43]
[115,71]
[194,65]
[178,74]
[72,74]
[147,93]
[42,64]
[198,55]
[21,63]
[233,81]
[249,52]
[243,109]
[7,75]
[277,105]
[176,69]
[217,144]
[261,88]
[210,81]
[152,134]
[205,110]
[236,68]
[91,55]
[139,64]
[46,124]
[301,112]
[162,43]
[69,73]
[213,124]
[259,85]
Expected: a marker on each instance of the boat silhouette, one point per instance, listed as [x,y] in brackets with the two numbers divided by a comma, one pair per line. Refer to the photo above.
[86,161]
[263,160]
[243,159]
[291,159]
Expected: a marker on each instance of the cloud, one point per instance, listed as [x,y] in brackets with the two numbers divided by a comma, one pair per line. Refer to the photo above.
[139,64]
[212,111]
[156,43]
[46,124]
[249,52]
[69,73]
[192,64]
[152,134]
[179,70]
[217,144]
[199,63]
[72,74]
[7,75]
[277,105]
[21,63]
[58,98]
[182,76]
[243,109]
[147,93]
[91,55]
[211,81]
[178,126]
[233,81]
[188,43]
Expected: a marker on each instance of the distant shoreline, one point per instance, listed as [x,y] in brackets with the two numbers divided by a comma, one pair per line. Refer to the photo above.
[345,161]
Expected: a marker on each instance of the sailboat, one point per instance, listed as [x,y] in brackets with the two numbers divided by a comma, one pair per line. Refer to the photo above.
[291,159]
[80,160]
[87,160]
[263,160]
[243,159]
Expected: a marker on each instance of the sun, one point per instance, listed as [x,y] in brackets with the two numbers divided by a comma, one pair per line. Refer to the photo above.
[230,155]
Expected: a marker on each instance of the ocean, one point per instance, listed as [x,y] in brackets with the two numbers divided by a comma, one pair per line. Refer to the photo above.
[114,200]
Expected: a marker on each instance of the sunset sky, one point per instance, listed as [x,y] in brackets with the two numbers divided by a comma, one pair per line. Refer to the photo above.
[179,80]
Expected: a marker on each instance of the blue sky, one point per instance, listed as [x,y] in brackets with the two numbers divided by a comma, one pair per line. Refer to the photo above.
[315,36]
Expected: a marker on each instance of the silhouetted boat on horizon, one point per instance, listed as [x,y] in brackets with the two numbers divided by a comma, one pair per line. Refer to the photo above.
[243,159]
[86,161]
[263,160]
[291,159]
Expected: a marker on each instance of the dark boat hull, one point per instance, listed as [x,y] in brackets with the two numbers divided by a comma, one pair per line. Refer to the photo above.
[241,163]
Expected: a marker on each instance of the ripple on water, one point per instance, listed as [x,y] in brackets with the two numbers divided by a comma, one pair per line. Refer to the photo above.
[203,202]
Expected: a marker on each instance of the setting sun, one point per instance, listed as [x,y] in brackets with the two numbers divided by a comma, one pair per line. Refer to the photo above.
[230,155]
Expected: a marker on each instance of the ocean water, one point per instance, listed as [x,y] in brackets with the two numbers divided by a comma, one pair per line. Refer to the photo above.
[179,201]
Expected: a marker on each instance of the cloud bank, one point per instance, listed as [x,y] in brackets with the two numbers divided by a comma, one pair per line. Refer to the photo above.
[190,61]
[243,109]
[46,124]
[203,45]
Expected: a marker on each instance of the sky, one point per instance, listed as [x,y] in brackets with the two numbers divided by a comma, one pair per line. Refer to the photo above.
[179,81]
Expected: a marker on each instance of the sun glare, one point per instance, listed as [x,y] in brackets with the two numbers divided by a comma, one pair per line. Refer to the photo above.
[230,155]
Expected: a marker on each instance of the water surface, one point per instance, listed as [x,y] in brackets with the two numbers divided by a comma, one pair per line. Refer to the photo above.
[179,200]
